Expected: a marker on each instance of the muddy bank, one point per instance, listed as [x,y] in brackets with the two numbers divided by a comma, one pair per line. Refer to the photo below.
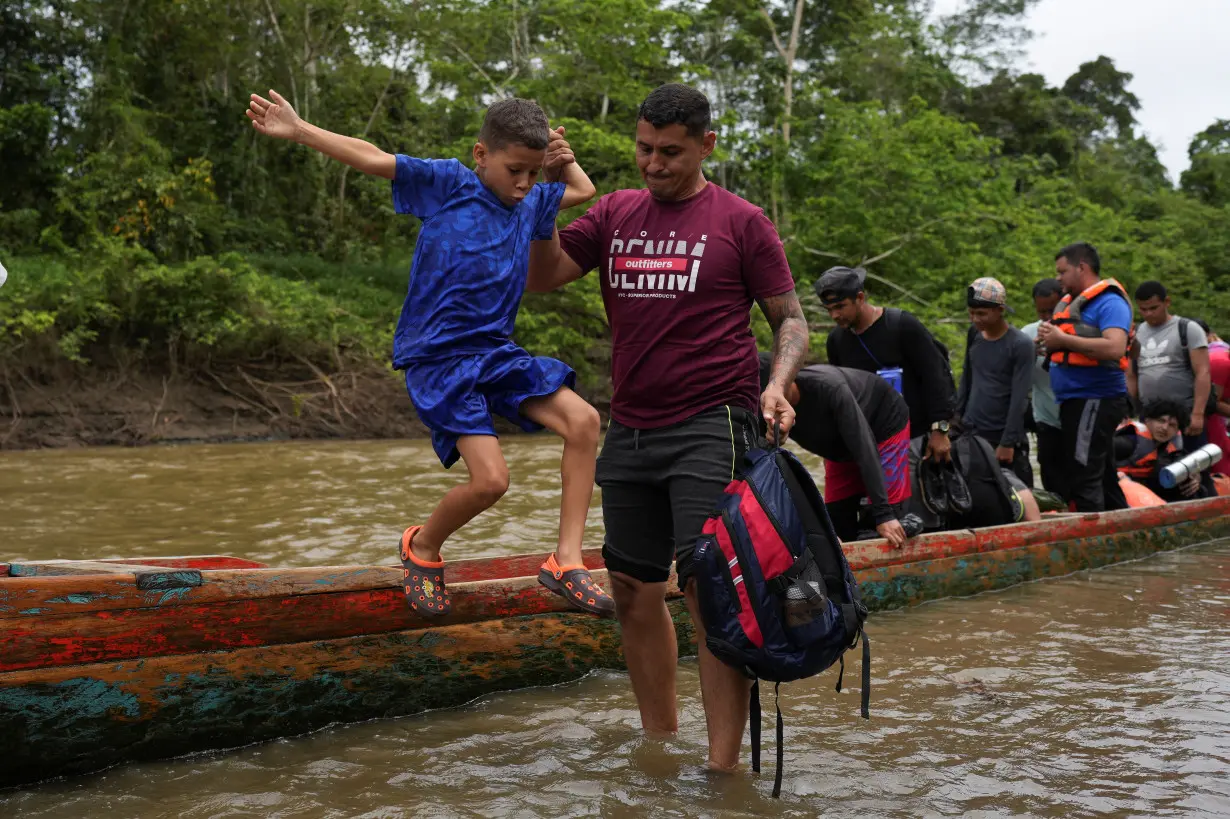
[89,407]
[76,407]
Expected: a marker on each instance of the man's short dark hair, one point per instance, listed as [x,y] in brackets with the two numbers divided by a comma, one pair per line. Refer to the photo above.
[1081,252]
[1149,289]
[1048,287]
[677,104]
[1161,407]
[515,122]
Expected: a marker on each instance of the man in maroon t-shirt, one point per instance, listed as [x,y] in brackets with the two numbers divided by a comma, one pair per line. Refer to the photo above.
[680,265]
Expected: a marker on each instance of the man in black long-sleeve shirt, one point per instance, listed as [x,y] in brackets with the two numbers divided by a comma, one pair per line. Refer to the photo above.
[997,378]
[879,339]
[860,426]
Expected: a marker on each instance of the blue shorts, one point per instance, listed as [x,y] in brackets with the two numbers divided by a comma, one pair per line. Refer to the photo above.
[457,396]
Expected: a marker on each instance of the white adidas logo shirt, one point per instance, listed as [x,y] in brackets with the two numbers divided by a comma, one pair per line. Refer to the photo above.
[1153,352]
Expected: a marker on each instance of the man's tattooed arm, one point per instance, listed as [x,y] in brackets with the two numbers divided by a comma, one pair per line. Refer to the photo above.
[785,316]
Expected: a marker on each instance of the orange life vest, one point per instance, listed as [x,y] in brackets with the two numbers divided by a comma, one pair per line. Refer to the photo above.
[1143,459]
[1138,495]
[1067,318]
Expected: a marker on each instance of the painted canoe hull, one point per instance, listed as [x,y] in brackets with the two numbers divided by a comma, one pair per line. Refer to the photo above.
[96,670]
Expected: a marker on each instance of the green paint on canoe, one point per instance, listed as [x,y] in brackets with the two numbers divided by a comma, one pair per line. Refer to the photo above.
[90,717]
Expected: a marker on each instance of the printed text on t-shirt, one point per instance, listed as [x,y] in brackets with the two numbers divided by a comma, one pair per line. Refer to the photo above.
[660,271]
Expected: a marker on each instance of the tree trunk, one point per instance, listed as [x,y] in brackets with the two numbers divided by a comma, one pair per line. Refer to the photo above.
[788,53]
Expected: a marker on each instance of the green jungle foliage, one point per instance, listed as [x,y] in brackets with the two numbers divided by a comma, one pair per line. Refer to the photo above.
[144,221]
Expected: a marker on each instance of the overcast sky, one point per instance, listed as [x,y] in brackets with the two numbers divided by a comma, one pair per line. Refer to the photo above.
[1177,50]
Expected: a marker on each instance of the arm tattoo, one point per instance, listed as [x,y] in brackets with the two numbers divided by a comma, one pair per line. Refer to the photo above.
[785,316]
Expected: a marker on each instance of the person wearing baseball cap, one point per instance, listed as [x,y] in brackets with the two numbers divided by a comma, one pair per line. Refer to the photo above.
[997,378]
[895,345]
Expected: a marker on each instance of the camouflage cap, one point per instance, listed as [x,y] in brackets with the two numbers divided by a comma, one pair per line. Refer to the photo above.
[987,292]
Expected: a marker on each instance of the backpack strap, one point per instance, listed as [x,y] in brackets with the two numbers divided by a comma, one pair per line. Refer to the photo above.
[777,778]
[893,315]
[865,710]
[1187,352]
[754,725]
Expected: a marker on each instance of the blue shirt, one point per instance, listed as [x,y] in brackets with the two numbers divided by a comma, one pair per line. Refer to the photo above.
[470,262]
[1106,311]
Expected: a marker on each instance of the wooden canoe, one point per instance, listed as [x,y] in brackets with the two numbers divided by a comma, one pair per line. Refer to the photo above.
[104,662]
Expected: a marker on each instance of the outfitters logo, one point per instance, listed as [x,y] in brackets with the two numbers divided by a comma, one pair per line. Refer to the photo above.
[1154,353]
[647,268]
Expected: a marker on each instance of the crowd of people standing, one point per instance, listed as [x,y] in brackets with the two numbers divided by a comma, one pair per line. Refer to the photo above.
[1106,399]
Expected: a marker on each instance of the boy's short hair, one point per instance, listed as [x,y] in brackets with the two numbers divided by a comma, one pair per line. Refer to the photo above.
[677,104]
[1161,407]
[515,122]
[1048,287]
[1149,289]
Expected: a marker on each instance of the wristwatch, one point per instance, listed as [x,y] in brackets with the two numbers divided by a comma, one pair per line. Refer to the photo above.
[940,426]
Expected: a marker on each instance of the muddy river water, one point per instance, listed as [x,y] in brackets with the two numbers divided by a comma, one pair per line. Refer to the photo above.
[1105,693]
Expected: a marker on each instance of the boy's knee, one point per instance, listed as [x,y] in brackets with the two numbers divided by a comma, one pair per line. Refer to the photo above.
[490,487]
[585,426]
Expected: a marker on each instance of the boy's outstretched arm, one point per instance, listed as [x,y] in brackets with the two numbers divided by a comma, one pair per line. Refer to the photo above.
[561,166]
[278,119]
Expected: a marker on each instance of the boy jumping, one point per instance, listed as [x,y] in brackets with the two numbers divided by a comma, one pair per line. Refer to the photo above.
[454,336]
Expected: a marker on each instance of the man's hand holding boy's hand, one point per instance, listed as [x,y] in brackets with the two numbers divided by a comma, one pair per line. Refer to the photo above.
[275,119]
[559,156]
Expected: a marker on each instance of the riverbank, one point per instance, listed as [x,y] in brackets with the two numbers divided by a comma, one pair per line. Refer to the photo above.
[242,403]
[115,348]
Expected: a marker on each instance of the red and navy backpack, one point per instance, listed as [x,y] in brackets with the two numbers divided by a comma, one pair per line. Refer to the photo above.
[776,595]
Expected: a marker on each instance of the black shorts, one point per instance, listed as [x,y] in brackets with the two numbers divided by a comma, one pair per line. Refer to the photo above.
[659,486]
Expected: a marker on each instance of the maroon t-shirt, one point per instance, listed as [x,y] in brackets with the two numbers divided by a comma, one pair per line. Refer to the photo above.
[678,282]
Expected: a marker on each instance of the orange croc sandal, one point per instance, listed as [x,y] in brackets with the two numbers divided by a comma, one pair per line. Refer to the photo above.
[422,581]
[574,584]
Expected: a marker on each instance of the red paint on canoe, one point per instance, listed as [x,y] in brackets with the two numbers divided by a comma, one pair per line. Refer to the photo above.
[44,605]
[4,570]
[188,629]
[869,554]
[473,569]
[209,562]
[1017,535]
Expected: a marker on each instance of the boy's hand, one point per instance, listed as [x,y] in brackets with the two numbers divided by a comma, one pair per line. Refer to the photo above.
[559,156]
[275,119]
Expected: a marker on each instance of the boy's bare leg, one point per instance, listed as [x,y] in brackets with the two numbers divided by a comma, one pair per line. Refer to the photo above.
[572,418]
[651,650]
[487,484]
[724,692]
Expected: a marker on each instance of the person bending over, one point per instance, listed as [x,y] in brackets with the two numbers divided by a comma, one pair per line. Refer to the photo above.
[860,426]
